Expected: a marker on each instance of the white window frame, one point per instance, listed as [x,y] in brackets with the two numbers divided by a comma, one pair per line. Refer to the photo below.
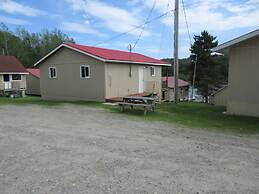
[89,72]
[54,77]
[15,80]
[152,75]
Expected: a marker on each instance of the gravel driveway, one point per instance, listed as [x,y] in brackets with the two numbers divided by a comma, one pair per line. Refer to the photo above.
[75,149]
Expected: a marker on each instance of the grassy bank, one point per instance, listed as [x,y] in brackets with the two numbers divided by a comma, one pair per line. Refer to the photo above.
[195,115]
[200,115]
[30,100]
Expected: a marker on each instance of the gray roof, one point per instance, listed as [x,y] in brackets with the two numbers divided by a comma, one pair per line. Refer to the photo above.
[237,40]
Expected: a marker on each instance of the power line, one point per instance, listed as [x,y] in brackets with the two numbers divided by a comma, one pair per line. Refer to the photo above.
[162,33]
[186,22]
[134,28]
[196,57]
[142,30]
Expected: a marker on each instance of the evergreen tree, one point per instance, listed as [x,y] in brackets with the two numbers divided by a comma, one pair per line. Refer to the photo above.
[207,71]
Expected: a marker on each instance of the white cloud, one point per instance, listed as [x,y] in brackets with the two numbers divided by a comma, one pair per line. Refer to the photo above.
[161,5]
[112,17]
[11,6]
[8,20]
[81,28]
[219,15]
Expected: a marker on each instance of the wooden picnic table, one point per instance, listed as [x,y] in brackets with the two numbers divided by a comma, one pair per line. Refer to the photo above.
[148,103]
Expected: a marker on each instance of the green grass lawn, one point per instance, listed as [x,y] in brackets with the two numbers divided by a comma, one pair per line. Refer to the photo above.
[195,115]
[200,115]
[28,100]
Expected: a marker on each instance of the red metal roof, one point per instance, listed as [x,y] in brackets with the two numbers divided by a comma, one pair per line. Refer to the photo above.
[9,64]
[116,55]
[35,72]
[181,83]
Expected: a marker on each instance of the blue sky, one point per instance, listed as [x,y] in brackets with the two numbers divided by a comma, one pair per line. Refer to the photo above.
[93,22]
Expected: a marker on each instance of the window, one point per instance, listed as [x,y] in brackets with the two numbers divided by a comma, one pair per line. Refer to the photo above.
[17,77]
[52,72]
[84,71]
[6,77]
[152,71]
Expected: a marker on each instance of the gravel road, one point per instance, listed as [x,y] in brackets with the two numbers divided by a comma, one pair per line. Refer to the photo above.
[75,149]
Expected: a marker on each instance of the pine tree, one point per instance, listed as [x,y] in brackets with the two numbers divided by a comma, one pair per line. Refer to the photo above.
[207,68]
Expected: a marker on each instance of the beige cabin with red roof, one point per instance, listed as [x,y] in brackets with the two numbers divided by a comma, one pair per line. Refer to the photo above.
[12,75]
[77,72]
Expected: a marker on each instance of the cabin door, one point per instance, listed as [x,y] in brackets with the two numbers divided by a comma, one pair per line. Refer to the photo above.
[141,79]
[7,82]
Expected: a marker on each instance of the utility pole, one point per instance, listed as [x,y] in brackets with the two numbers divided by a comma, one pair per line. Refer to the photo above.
[176,61]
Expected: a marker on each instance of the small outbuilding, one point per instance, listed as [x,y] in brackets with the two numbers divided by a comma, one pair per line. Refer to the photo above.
[33,82]
[12,76]
[168,88]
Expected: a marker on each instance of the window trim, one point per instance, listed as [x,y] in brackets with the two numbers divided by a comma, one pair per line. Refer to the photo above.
[54,77]
[89,72]
[152,75]
[11,77]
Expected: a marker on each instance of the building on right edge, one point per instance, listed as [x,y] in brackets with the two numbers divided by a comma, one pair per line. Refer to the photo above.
[243,75]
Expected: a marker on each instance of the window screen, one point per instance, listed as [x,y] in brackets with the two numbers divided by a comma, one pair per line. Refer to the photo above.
[84,71]
[52,72]
[16,77]
[152,71]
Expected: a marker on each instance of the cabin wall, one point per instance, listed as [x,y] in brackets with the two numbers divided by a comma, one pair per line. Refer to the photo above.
[243,80]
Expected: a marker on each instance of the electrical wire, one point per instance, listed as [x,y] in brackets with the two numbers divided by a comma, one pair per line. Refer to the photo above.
[134,28]
[196,58]
[163,31]
[186,22]
[142,30]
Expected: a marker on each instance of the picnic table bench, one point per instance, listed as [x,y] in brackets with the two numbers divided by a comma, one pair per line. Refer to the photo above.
[148,103]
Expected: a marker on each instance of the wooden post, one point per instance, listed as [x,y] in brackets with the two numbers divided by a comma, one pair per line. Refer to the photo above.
[176,62]
[145,110]
[121,108]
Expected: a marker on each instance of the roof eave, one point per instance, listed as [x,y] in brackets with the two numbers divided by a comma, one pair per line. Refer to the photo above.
[221,50]
[134,62]
[225,46]
[13,72]
[96,57]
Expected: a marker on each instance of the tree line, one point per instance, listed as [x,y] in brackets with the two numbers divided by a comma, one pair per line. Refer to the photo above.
[30,47]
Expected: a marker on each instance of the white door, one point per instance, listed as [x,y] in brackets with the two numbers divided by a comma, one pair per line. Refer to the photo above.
[7,82]
[141,79]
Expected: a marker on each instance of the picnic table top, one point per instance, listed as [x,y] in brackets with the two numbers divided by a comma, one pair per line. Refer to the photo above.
[139,98]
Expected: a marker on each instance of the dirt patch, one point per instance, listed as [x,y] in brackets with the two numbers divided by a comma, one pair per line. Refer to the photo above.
[76,149]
